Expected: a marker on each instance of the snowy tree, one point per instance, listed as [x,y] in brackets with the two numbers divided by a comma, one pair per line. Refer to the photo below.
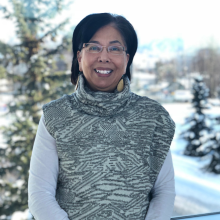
[218,119]
[212,143]
[197,123]
[213,149]
[37,78]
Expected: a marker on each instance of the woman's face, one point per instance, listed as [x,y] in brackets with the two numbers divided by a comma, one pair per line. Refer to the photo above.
[93,65]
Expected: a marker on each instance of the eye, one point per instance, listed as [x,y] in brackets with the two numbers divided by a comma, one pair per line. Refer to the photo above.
[93,48]
[115,49]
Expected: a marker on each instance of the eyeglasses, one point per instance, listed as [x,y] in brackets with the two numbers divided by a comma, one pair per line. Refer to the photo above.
[97,48]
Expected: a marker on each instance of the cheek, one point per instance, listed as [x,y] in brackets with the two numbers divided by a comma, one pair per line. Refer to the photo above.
[123,64]
[88,62]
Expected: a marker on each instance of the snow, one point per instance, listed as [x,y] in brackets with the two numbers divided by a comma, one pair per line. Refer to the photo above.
[197,191]
[21,215]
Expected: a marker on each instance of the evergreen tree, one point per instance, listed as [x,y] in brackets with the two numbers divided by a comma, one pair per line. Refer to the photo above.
[212,144]
[37,79]
[197,123]
[213,149]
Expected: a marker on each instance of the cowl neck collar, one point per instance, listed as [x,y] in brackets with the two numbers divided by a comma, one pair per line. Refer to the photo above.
[102,103]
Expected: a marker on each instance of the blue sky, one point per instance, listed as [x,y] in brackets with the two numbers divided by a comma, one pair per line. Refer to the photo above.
[196,22]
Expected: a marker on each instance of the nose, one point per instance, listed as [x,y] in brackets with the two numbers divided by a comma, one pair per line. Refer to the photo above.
[104,56]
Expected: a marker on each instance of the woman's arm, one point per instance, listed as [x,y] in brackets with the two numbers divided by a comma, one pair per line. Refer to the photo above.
[43,175]
[163,193]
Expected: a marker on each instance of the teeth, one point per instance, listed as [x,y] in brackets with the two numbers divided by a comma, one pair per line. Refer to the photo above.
[103,71]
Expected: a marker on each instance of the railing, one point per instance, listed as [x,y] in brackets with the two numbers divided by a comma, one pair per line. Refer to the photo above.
[207,216]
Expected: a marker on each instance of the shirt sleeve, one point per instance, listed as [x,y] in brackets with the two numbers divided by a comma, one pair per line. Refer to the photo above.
[43,174]
[163,193]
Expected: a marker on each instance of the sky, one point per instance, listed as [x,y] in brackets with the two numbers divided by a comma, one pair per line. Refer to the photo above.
[196,22]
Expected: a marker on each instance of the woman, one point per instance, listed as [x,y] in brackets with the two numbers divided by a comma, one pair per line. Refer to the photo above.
[103,151]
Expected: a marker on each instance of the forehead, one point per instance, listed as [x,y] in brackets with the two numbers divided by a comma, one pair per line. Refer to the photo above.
[107,34]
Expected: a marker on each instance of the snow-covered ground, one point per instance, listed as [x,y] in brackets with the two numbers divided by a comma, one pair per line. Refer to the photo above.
[196,191]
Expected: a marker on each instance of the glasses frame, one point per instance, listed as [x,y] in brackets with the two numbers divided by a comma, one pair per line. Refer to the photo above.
[84,46]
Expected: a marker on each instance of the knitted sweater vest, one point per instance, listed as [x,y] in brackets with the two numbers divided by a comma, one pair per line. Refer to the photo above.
[111,147]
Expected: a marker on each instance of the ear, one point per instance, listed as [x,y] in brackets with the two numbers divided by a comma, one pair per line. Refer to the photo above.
[79,58]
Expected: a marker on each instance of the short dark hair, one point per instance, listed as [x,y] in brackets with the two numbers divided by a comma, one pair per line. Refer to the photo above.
[89,25]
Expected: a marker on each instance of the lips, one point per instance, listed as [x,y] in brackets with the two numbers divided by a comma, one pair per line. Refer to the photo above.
[103,71]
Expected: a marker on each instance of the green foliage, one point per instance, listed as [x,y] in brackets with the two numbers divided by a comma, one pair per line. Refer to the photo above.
[39,81]
[6,52]
[2,72]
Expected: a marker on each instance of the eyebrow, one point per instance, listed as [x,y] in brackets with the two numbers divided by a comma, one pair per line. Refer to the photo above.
[115,41]
[111,42]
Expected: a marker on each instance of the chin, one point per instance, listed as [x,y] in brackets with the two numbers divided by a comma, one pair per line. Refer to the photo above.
[105,88]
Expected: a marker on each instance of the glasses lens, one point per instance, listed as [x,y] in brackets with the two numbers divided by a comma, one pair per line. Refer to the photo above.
[93,48]
[116,49]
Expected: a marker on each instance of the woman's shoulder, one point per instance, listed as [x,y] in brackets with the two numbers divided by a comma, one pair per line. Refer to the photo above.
[153,109]
[149,103]
[56,110]
[60,102]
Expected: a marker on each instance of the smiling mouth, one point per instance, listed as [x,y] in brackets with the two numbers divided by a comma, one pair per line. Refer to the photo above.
[103,71]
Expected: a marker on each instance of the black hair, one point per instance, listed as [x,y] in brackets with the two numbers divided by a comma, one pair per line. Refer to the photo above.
[89,25]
